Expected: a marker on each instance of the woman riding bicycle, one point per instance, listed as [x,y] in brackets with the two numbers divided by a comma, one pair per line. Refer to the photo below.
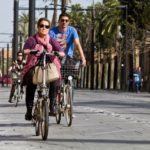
[40,41]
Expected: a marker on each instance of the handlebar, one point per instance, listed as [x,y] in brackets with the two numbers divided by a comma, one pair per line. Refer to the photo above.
[37,52]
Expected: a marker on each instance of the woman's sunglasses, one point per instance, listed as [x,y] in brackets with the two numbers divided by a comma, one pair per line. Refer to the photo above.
[44,26]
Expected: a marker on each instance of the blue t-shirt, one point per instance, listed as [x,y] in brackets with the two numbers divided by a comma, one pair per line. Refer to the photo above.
[69,36]
[136,77]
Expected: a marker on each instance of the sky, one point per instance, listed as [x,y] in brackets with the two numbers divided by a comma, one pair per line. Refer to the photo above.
[6,15]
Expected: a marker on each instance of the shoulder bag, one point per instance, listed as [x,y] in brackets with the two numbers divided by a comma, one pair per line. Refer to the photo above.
[50,75]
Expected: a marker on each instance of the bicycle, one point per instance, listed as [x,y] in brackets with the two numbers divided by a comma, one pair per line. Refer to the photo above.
[41,109]
[18,94]
[64,101]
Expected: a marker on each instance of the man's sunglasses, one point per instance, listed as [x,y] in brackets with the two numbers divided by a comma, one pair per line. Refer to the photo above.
[42,26]
[64,20]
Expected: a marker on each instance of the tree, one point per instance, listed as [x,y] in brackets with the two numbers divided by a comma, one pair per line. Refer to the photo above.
[23,25]
[64,3]
[111,21]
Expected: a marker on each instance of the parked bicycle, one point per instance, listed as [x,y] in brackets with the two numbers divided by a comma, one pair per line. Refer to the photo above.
[64,102]
[41,109]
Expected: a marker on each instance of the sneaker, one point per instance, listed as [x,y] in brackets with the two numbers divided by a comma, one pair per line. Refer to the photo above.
[10,101]
[28,116]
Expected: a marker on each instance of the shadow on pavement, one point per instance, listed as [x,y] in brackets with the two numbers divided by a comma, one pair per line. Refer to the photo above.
[114,103]
[15,125]
[97,141]
[12,105]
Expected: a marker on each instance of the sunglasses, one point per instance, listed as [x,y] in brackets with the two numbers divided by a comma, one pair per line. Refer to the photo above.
[44,26]
[64,20]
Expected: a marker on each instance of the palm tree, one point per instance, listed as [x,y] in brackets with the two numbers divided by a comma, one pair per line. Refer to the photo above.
[111,20]
[139,25]
[23,25]
[64,3]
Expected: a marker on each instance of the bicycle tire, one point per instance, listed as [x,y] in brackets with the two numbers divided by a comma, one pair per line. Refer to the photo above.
[36,121]
[58,108]
[44,119]
[18,94]
[68,105]
[15,96]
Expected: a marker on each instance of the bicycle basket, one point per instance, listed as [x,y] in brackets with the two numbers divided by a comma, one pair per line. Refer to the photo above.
[14,75]
[69,70]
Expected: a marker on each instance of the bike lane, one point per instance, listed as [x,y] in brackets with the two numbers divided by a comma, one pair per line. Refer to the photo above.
[96,126]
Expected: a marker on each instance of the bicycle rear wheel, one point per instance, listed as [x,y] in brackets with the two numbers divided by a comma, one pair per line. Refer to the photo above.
[68,105]
[44,119]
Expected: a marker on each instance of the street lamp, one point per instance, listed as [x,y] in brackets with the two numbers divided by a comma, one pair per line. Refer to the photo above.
[92,50]
[31,17]
[15,30]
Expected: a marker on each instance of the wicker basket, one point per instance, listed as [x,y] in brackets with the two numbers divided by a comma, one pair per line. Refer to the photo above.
[14,75]
[69,70]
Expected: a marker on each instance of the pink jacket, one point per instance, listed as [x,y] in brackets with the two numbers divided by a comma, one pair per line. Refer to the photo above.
[32,60]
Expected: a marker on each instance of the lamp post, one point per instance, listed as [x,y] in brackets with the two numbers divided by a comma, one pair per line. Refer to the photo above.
[15,30]
[126,67]
[31,17]
[2,66]
[63,3]
[7,62]
[46,11]
[92,51]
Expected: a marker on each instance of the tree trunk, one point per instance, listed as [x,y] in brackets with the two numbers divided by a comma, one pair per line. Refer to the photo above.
[118,86]
[54,19]
[112,64]
[105,76]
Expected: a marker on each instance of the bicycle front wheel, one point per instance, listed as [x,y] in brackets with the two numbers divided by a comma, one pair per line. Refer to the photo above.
[18,94]
[58,107]
[68,105]
[44,119]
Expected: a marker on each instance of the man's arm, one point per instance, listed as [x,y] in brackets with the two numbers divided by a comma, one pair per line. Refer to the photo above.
[79,48]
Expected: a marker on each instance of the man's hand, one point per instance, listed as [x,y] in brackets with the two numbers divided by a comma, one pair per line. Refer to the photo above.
[83,62]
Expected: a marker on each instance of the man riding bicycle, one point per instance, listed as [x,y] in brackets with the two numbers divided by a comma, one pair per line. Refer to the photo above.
[68,38]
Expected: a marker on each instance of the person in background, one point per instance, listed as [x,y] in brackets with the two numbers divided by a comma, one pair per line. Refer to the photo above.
[40,41]
[17,66]
[68,37]
[137,79]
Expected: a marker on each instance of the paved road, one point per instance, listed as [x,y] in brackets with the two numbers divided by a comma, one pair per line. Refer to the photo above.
[104,121]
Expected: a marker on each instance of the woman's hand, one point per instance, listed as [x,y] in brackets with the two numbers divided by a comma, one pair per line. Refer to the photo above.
[61,54]
[27,51]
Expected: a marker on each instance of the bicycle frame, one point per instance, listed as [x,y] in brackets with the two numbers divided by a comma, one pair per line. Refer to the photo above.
[17,93]
[64,103]
[41,111]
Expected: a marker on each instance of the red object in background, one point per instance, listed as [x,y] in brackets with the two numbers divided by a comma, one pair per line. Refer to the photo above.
[6,79]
